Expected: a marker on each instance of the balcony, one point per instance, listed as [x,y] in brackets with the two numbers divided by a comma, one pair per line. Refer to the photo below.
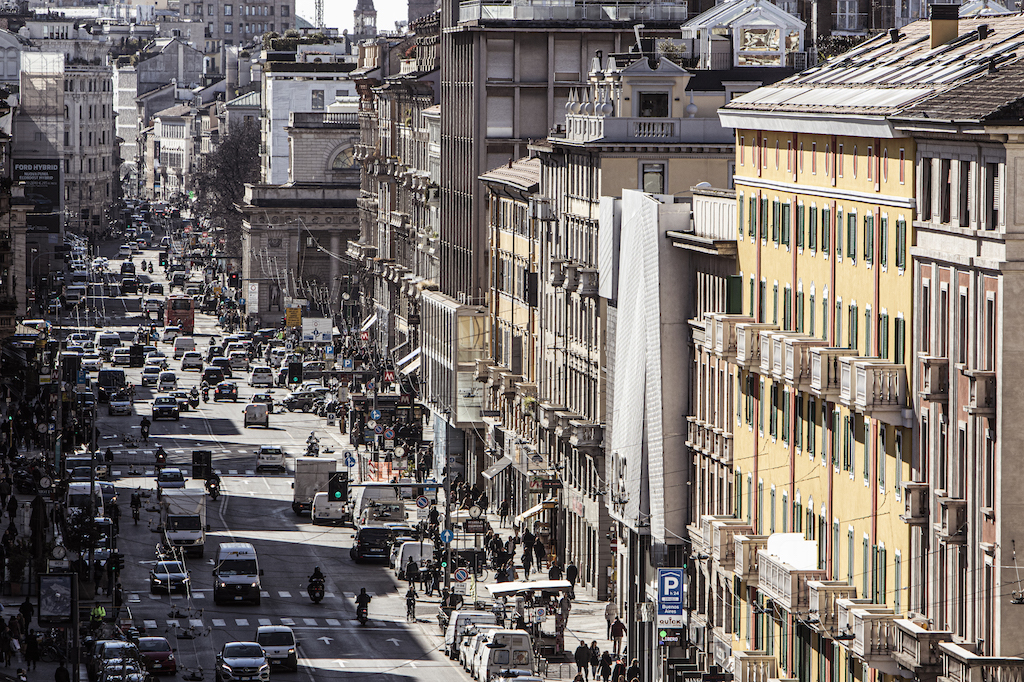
[570,275]
[874,638]
[981,401]
[587,128]
[722,450]
[586,434]
[509,381]
[934,379]
[588,281]
[710,331]
[771,353]
[825,374]
[546,415]
[483,369]
[822,601]
[707,526]
[917,649]
[748,343]
[726,334]
[846,607]
[545,10]
[879,390]
[323,119]
[495,374]
[915,497]
[785,584]
[723,545]
[563,425]
[952,525]
[960,665]
[745,549]
[797,360]
[556,275]
[754,666]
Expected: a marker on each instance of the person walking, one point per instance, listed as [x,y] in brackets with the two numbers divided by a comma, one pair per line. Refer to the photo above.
[539,551]
[527,562]
[633,671]
[31,650]
[26,610]
[503,512]
[611,612]
[606,666]
[61,674]
[571,574]
[555,572]
[618,631]
[595,659]
[412,572]
[582,657]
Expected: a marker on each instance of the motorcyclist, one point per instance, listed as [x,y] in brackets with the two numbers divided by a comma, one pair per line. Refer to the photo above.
[144,426]
[363,600]
[194,393]
[212,480]
[160,454]
[317,576]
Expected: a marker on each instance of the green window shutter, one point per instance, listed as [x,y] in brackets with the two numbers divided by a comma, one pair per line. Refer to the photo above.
[883,336]
[869,238]
[798,427]
[740,221]
[800,311]
[883,242]
[853,327]
[773,420]
[867,453]
[752,218]
[810,321]
[826,231]
[775,304]
[760,410]
[752,299]
[901,243]
[900,339]
[787,308]
[762,302]
[846,443]
[867,332]
[785,418]
[800,226]
[867,565]
[734,295]
[776,219]
[812,229]
[786,216]
[764,218]
[810,426]
[839,232]
[851,236]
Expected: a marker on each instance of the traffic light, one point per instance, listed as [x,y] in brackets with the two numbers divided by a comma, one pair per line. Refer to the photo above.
[116,562]
[233,280]
[337,487]
[163,260]
[294,372]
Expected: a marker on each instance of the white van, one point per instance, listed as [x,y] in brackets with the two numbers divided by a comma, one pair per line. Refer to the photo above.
[473,641]
[327,511]
[182,344]
[507,650]
[420,552]
[256,415]
[364,496]
[236,575]
[74,295]
[78,497]
[461,621]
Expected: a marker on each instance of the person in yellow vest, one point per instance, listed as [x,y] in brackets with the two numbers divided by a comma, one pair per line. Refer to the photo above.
[96,617]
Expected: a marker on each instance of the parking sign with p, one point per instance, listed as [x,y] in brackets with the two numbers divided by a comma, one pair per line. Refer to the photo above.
[671,597]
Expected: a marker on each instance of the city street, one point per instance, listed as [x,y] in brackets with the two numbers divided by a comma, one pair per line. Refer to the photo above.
[256,509]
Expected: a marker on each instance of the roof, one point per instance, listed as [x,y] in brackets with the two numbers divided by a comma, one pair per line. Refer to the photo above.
[960,79]
[176,110]
[249,99]
[523,174]
[740,12]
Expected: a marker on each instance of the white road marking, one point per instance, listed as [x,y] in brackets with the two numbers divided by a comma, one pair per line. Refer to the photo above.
[263,593]
[196,622]
[333,621]
[241,622]
[264,621]
[173,624]
[287,621]
[149,624]
[198,595]
[328,595]
[219,623]
[250,472]
[284,595]
[232,472]
[309,621]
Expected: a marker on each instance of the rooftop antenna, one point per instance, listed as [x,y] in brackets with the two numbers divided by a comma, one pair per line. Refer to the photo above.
[320,14]
[636,32]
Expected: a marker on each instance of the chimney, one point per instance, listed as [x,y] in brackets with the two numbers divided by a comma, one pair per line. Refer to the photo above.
[944,23]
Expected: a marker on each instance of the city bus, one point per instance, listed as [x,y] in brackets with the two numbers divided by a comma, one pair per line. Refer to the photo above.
[181,311]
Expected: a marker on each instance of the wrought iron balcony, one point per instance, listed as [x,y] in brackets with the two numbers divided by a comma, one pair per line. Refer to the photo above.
[785,584]
[825,370]
[960,665]
[917,648]
[822,596]
[748,343]
[934,379]
[981,400]
[745,549]
[726,334]
[915,499]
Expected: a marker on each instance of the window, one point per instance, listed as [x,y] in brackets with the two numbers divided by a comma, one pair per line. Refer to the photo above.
[847,443]
[317,100]
[824,316]
[993,194]
[835,549]
[839,156]
[800,226]
[800,311]
[869,238]
[771,511]
[773,418]
[810,428]
[945,189]
[897,578]
[752,218]
[227,27]
[812,228]
[866,560]
[762,301]
[990,333]
[764,219]
[833,435]
[814,158]
[867,451]
[883,242]
[810,315]
[798,427]
[209,10]
[867,331]
[653,105]
[227,10]
[776,219]
[903,166]
[883,336]
[963,194]
[839,321]
[760,507]
[943,321]
[743,151]
[899,339]
[901,244]
[881,457]
[776,154]
[785,418]
[828,161]
[854,161]
[826,231]
[839,233]
[849,557]
[800,165]
[787,315]
[853,326]
[284,10]
[963,340]
[851,236]
[990,471]
[786,215]
[789,156]
[898,457]
[653,178]
[870,158]
[785,514]
[775,303]
[760,409]
[751,298]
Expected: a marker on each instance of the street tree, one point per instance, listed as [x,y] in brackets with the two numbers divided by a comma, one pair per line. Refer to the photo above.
[220,181]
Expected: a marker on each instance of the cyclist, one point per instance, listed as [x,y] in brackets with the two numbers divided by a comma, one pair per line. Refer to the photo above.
[410,603]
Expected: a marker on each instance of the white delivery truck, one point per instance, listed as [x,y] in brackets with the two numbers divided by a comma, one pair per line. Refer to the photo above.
[183,517]
[312,475]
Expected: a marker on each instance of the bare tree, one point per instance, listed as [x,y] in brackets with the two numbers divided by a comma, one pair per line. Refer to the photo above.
[220,182]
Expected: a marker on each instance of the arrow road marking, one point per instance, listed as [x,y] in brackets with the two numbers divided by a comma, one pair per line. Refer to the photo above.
[395,641]
[325,639]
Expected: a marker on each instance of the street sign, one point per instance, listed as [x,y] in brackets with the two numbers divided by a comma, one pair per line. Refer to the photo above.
[378,429]
[422,502]
[364,336]
[461,575]
[371,424]
[350,461]
[446,536]
[389,375]
[347,364]
[671,591]
[475,526]
[330,418]
[388,445]
[389,434]
[460,588]
[293,317]
[422,513]
[374,414]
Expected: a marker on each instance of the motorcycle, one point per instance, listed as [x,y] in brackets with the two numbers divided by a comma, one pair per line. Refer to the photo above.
[151,268]
[312,446]
[213,487]
[315,590]
[135,513]
[206,395]
[193,401]
[362,614]
[160,455]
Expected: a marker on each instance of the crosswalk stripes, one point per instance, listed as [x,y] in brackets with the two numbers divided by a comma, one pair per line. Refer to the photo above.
[219,623]
[149,624]
[241,622]
[196,622]
[264,621]
[284,595]
[264,593]
[199,623]
[309,621]
[198,595]
[333,621]
[328,595]
[287,621]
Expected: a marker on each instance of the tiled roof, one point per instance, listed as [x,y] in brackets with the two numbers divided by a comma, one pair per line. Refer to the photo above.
[176,110]
[249,99]
[523,174]
[908,77]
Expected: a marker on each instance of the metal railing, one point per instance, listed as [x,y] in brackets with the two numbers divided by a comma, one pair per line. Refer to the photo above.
[541,10]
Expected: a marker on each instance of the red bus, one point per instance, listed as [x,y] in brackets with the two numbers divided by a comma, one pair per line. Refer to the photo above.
[180,310]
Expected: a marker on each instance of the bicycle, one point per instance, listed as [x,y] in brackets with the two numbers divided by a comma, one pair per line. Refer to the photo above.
[410,610]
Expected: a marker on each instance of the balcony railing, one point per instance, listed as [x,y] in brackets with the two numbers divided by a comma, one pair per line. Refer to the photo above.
[771,353]
[934,379]
[785,584]
[879,389]
[554,10]
[723,545]
[797,351]
[917,649]
[726,334]
[586,434]
[915,499]
[825,374]
[874,635]
[754,666]
[822,596]
[846,607]
[960,665]
[723,447]
[748,343]
[324,119]
[745,549]
[952,525]
[981,399]
[707,523]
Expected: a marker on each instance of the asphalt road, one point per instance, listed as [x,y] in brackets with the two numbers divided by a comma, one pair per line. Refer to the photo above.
[257,509]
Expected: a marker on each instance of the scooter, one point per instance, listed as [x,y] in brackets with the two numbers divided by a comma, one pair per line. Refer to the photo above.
[362,615]
[206,395]
[315,590]
[193,401]
[151,268]
[312,446]
[213,488]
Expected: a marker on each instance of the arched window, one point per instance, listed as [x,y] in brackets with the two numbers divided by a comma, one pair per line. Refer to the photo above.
[345,160]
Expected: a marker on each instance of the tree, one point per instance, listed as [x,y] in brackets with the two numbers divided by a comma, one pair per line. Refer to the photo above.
[220,181]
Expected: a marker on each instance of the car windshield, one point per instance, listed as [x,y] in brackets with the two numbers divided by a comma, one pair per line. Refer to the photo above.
[271,450]
[184,523]
[118,650]
[238,567]
[171,476]
[275,638]
[165,400]
[243,651]
[169,567]
[154,645]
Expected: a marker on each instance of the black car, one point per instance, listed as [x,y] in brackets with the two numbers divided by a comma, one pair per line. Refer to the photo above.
[223,363]
[226,390]
[371,543]
[300,400]
[166,407]
[129,286]
[168,576]
[213,376]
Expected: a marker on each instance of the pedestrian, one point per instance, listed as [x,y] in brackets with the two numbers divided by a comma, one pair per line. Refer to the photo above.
[582,657]
[606,666]
[595,659]
[571,574]
[618,631]
[96,616]
[528,538]
[26,609]
[565,606]
[482,502]
[425,578]
[412,572]
[555,572]
[633,671]
[5,645]
[611,612]
[618,669]
[503,512]
[31,650]
[527,562]
[61,674]
[539,551]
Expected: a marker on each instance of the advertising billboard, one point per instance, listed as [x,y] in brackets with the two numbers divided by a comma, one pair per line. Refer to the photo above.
[41,178]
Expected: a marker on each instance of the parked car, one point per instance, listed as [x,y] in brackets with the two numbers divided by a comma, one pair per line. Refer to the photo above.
[300,400]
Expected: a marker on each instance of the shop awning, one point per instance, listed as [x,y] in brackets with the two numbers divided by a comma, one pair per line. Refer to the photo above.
[409,357]
[497,467]
[499,589]
[536,509]
[411,367]
[368,323]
